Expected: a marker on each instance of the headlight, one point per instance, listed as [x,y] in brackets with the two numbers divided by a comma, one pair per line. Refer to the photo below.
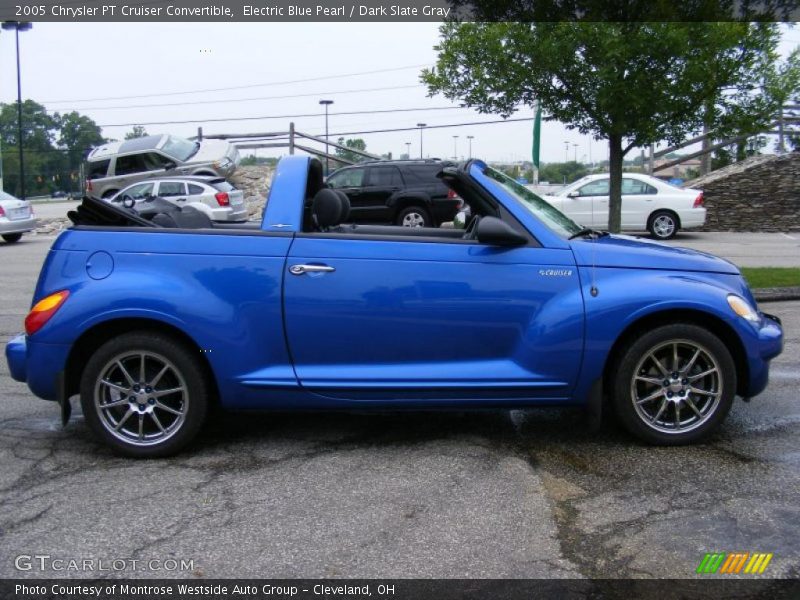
[742,308]
[223,164]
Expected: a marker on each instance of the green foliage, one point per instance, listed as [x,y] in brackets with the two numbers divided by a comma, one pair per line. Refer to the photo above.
[566,172]
[54,147]
[137,132]
[632,83]
[356,143]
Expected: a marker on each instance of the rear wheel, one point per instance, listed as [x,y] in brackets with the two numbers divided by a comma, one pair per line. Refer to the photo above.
[674,384]
[414,216]
[144,394]
[12,238]
[663,225]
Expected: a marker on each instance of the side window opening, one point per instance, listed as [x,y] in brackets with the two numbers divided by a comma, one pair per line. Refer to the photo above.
[171,188]
[98,169]
[195,190]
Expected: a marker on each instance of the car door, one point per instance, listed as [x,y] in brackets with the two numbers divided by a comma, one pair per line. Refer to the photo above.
[638,202]
[380,184]
[351,182]
[430,320]
[128,169]
[174,191]
[588,205]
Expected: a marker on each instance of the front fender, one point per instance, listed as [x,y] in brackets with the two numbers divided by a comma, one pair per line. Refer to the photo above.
[627,296]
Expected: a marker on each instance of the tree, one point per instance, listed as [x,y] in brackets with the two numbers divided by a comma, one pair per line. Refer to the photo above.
[632,83]
[137,132]
[78,134]
[566,172]
[357,144]
[42,160]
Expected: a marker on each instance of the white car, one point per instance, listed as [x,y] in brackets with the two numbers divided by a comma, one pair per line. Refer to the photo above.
[647,204]
[16,217]
[212,196]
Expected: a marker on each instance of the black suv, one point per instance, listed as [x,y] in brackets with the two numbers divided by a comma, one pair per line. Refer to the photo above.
[402,192]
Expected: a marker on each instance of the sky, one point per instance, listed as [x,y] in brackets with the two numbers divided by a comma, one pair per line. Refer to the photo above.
[361,67]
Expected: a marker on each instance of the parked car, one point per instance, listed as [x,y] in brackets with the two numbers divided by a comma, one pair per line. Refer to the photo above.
[16,217]
[152,326]
[213,196]
[116,165]
[59,194]
[403,192]
[648,204]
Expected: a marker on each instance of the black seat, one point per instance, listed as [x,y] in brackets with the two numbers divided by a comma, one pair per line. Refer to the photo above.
[327,209]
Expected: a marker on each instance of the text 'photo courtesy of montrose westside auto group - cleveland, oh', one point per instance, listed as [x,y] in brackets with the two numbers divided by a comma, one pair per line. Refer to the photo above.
[459,299]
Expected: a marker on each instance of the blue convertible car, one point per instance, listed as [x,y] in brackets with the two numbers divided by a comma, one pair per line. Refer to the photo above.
[152,319]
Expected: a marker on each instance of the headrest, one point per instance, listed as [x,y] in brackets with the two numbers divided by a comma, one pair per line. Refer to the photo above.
[326,209]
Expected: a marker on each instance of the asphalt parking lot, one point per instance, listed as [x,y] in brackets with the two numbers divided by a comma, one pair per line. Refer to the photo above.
[417,494]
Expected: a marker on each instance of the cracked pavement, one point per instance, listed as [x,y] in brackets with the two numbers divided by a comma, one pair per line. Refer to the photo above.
[491,494]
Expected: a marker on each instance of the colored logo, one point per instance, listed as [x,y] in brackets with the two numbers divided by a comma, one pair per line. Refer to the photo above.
[732,563]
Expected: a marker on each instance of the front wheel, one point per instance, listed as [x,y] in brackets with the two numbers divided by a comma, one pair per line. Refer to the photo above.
[414,216]
[663,225]
[144,394]
[674,384]
[12,238]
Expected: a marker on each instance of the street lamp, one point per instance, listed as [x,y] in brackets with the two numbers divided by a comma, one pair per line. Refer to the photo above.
[18,26]
[421,127]
[408,149]
[326,103]
[455,147]
[566,151]
[576,151]
[470,138]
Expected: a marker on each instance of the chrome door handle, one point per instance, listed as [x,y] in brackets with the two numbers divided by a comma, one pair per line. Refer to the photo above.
[300,269]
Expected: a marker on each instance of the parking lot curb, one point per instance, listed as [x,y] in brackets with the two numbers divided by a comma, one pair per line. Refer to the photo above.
[777,294]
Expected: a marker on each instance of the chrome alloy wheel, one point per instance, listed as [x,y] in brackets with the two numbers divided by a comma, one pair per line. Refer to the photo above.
[676,386]
[664,226]
[413,219]
[141,398]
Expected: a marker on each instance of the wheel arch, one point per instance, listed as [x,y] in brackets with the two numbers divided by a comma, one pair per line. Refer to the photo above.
[101,332]
[702,319]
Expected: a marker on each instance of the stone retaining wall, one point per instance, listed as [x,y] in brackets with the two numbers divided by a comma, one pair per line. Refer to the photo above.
[761,193]
[255,182]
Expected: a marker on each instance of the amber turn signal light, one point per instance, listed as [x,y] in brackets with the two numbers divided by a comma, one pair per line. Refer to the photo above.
[43,310]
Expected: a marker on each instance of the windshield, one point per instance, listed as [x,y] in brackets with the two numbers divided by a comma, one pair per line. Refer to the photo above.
[546,213]
[180,148]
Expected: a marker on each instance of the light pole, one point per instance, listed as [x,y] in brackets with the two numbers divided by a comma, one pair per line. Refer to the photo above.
[455,147]
[19,26]
[470,138]
[421,127]
[408,149]
[566,151]
[576,151]
[326,103]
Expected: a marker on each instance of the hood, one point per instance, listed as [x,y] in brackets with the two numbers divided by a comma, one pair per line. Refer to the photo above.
[210,151]
[635,253]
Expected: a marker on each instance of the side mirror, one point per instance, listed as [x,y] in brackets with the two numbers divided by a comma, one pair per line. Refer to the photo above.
[574,194]
[495,232]
[169,165]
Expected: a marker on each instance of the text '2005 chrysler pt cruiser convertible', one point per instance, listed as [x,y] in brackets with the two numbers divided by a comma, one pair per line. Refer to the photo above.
[154,320]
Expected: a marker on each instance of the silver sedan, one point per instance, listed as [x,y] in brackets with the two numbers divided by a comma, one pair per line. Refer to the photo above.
[16,217]
[212,196]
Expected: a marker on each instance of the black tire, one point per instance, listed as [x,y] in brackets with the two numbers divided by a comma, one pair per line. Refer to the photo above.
[663,225]
[182,370]
[12,238]
[414,214]
[662,420]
